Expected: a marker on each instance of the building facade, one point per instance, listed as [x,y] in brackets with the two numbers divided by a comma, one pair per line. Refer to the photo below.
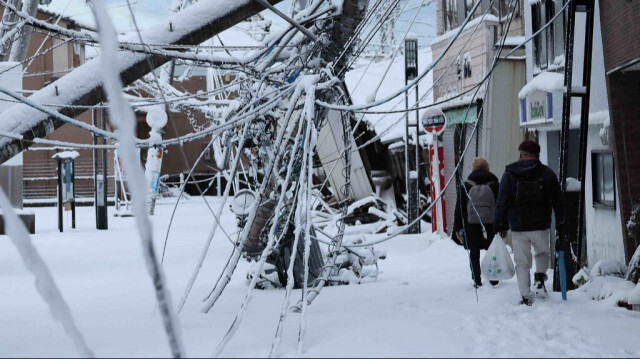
[483,121]
[620,29]
[51,57]
[541,114]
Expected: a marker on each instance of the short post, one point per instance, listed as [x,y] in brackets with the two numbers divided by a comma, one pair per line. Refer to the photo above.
[66,188]
[60,221]
[122,199]
[101,203]
[156,119]
[119,177]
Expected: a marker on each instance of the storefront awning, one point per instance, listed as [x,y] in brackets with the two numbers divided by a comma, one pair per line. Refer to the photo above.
[459,115]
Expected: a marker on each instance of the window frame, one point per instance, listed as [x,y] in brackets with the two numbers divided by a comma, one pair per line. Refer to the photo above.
[450,14]
[545,44]
[540,43]
[558,34]
[605,204]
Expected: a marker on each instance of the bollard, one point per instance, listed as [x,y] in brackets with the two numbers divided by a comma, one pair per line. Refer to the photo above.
[101,203]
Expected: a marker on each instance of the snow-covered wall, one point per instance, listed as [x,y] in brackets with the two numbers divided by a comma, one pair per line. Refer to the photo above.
[603,225]
[598,100]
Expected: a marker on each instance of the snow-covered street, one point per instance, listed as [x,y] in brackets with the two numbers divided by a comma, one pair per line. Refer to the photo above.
[422,305]
[268,170]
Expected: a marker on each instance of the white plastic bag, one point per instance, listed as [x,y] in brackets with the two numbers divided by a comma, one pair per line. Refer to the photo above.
[497,263]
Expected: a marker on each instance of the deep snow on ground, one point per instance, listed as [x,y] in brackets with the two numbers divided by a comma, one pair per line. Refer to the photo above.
[422,305]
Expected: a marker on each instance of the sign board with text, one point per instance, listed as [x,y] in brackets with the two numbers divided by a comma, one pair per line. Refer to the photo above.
[434,121]
[536,108]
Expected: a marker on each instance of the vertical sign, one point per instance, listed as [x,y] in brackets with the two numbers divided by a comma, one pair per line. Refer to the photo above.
[438,211]
[100,190]
[67,183]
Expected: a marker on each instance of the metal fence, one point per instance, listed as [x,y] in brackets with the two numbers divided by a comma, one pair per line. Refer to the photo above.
[40,176]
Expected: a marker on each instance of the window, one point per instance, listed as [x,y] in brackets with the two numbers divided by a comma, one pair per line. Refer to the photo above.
[450,11]
[501,9]
[558,31]
[411,59]
[468,5]
[540,41]
[548,45]
[603,177]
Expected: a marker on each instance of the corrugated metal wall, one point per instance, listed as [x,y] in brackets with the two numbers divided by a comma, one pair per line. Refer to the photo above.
[501,120]
[454,140]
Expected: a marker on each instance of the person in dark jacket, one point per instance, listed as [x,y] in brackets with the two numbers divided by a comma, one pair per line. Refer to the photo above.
[529,191]
[475,236]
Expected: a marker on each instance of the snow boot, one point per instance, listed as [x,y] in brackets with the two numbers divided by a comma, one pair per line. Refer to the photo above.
[527,300]
[538,284]
[477,285]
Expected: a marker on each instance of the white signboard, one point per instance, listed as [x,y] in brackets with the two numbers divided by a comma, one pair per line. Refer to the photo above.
[536,108]
[434,121]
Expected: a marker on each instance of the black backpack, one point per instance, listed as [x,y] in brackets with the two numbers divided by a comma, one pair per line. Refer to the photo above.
[531,200]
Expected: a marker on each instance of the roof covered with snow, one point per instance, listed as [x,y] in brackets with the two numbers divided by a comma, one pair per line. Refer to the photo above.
[451,33]
[545,81]
[146,12]
[365,77]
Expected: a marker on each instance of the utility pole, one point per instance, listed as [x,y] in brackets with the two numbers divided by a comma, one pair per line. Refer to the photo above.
[573,240]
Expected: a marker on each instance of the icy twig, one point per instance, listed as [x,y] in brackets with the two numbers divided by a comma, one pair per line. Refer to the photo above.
[309,111]
[265,253]
[124,119]
[233,261]
[290,282]
[205,250]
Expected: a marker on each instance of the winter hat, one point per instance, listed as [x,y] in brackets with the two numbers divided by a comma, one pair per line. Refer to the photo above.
[529,148]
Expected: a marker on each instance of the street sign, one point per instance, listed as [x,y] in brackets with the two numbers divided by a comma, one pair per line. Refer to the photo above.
[434,121]
[66,179]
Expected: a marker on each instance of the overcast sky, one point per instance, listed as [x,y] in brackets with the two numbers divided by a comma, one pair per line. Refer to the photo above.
[149,11]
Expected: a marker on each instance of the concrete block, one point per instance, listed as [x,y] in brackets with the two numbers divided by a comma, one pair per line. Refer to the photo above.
[27,217]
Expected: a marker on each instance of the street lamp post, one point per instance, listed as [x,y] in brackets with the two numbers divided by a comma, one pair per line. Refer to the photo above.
[412,177]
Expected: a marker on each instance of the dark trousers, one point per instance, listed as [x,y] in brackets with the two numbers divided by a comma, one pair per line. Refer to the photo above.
[475,241]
